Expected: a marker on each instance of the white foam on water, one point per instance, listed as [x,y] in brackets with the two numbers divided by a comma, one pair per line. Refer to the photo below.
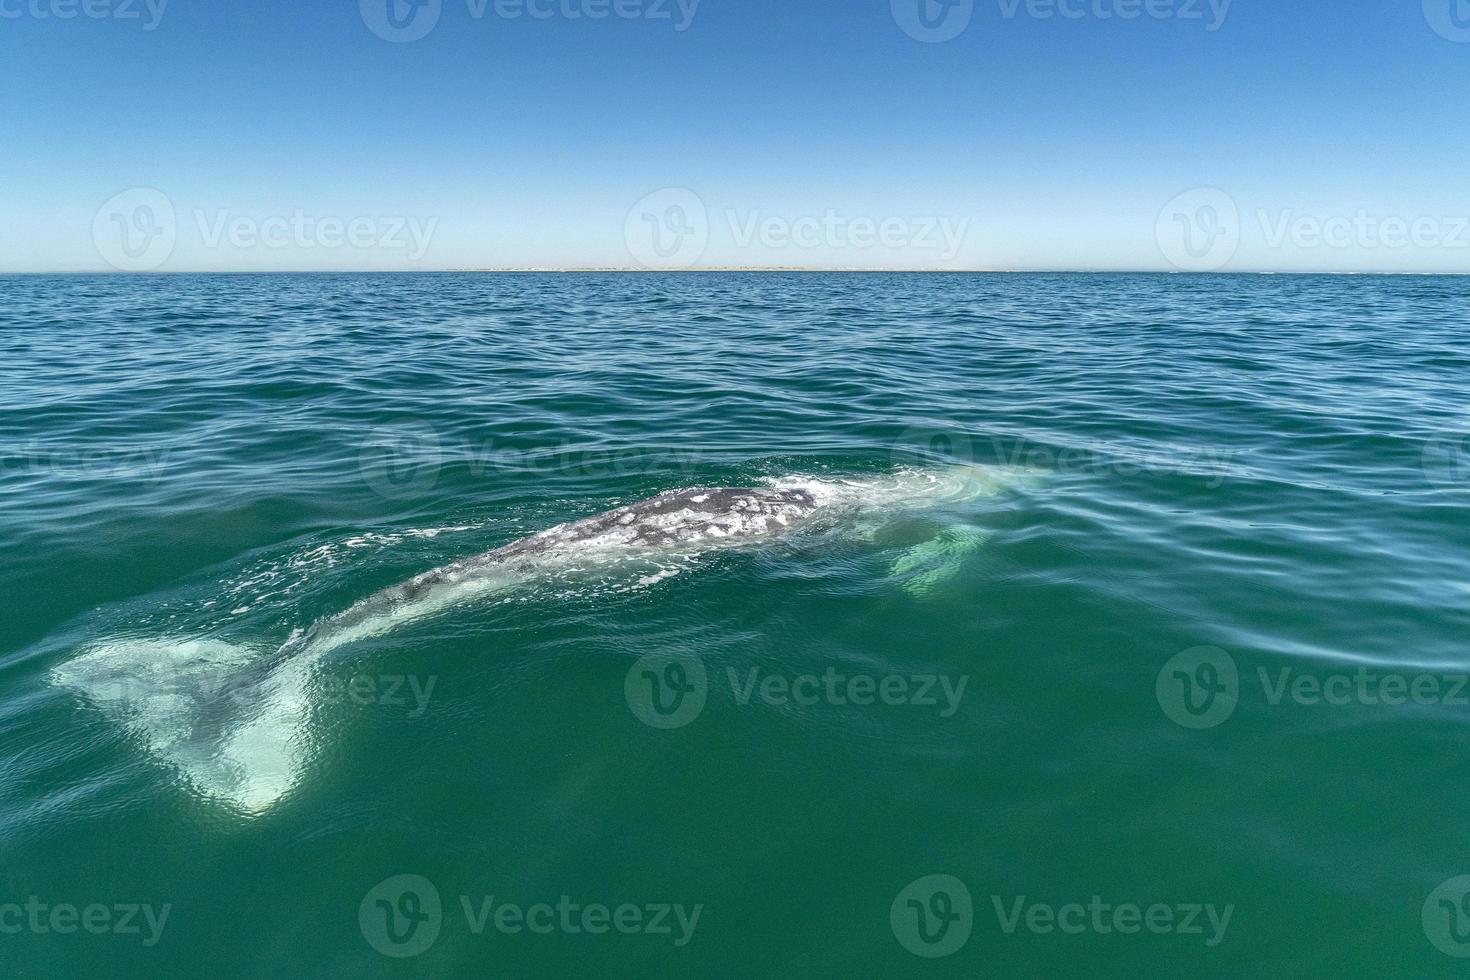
[280,578]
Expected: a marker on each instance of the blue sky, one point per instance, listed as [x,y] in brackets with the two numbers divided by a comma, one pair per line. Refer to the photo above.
[1255,134]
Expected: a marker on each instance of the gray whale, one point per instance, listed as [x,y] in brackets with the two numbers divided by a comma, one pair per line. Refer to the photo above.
[236,718]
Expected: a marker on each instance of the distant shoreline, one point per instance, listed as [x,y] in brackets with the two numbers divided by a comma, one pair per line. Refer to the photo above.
[985,272]
[702,269]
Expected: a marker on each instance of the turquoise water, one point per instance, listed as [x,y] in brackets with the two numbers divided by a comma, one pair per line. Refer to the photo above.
[1145,613]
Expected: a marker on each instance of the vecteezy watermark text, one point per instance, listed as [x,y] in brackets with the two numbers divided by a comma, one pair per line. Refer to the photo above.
[404,460]
[671,229]
[1103,918]
[934,916]
[138,230]
[142,462]
[1201,230]
[1211,13]
[832,229]
[403,916]
[672,919]
[1363,686]
[921,444]
[835,688]
[299,229]
[671,690]
[404,21]
[97,918]
[149,13]
[408,692]
[1362,229]
[1201,687]
[936,21]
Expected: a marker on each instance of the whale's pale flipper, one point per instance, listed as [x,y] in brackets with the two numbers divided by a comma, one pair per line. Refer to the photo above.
[926,566]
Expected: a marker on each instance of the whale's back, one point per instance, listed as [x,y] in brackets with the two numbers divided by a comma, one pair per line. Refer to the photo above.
[689,516]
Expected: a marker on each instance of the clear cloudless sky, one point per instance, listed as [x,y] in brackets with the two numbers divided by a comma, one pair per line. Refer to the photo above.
[794,126]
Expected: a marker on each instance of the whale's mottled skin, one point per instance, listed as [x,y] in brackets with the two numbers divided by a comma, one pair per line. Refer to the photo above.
[700,517]
[677,517]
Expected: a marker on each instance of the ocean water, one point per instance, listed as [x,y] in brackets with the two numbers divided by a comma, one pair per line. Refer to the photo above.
[1132,641]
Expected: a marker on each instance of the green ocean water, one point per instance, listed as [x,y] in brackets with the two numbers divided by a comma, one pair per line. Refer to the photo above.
[1167,680]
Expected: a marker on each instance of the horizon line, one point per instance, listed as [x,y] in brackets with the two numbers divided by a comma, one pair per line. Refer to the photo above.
[732,268]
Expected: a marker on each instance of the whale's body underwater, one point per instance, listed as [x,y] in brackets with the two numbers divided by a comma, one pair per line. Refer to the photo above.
[235,720]
[700,518]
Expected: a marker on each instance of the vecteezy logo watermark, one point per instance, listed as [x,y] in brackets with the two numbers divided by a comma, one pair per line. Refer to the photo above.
[1104,918]
[148,12]
[943,442]
[932,916]
[135,231]
[577,458]
[1199,231]
[668,229]
[1446,917]
[1446,461]
[835,688]
[411,235]
[948,443]
[834,230]
[932,21]
[1199,687]
[1182,10]
[666,690]
[138,230]
[671,228]
[680,13]
[670,690]
[401,462]
[1449,18]
[98,919]
[401,916]
[402,21]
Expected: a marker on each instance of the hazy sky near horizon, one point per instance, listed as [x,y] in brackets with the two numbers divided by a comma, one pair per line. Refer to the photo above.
[994,134]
